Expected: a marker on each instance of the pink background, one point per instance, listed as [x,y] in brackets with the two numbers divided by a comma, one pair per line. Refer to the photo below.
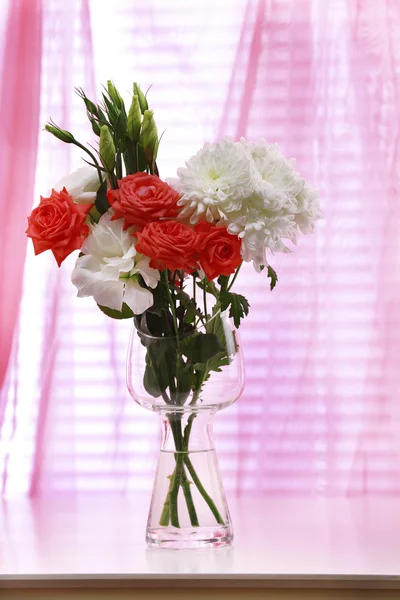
[320,412]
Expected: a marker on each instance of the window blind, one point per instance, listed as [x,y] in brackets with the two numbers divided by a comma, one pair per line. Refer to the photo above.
[319,413]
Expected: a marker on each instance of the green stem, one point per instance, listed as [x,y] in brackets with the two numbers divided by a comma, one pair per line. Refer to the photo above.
[137,156]
[188,429]
[171,303]
[118,166]
[194,288]
[205,299]
[178,478]
[200,318]
[173,494]
[202,491]
[165,515]
[234,277]
[187,492]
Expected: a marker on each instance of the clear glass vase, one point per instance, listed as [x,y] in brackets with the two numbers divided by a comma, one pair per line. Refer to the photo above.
[187,379]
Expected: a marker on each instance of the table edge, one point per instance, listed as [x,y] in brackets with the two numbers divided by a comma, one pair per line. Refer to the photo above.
[329,581]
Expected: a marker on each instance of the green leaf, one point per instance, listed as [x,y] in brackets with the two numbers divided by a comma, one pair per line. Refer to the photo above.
[150,382]
[125,313]
[201,347]
[102,116]
[237,304]
[160,303]
[114,115]
[101,202]
[216,364]
[120,132]
[190,310]
[184,383]
[165,369]
[210,287]
[273,276]
[142,160]
[202,370]
[112,111]
[94,214]
[223,281]
[157,376]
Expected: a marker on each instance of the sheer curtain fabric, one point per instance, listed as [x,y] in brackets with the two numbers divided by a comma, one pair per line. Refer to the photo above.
[320,412]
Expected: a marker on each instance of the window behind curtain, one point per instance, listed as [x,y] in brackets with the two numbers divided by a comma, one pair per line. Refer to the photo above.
[319,411]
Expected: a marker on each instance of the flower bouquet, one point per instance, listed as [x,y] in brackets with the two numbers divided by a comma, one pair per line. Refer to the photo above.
[166,254]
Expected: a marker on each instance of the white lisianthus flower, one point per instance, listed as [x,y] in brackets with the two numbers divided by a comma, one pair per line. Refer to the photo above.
[81,184]
[109,268]
[215,182]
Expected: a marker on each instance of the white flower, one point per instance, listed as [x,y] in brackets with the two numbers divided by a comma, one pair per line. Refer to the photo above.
[215,182]
[253,190]
[109,267]
[308,210]
[278,182]
[81,184]
[265,234]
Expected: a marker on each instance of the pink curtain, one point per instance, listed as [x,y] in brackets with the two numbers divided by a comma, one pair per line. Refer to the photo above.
[21,55]
[320,411]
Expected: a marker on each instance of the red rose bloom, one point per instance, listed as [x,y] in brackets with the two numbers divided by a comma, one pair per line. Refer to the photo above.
[218,250]
[143,198]
[57,224]
[168,244]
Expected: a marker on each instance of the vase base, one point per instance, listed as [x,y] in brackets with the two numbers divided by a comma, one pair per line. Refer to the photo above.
[189,538]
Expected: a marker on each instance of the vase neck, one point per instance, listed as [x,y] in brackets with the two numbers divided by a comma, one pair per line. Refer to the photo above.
[188,432]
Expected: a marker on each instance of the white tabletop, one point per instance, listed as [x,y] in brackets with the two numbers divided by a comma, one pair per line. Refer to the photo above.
[277,540]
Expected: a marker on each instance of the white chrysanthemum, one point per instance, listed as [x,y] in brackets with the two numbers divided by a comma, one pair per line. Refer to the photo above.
[278,181]
[268,233]
[288,203]
[253,190]
[216,181]
[109,268]
[308,210]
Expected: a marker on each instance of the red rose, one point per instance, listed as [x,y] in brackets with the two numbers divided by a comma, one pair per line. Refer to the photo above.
[57,224]
[218,250]
[168,244]
[143,198]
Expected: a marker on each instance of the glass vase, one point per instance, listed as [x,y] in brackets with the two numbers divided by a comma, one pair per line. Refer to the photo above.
[187,379]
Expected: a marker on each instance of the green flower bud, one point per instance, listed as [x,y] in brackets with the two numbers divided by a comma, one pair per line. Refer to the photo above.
[95,126]
[115,95]
[90,106]
[134,120]
[149,136]
[61,134]
[107,149]
[142,98]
